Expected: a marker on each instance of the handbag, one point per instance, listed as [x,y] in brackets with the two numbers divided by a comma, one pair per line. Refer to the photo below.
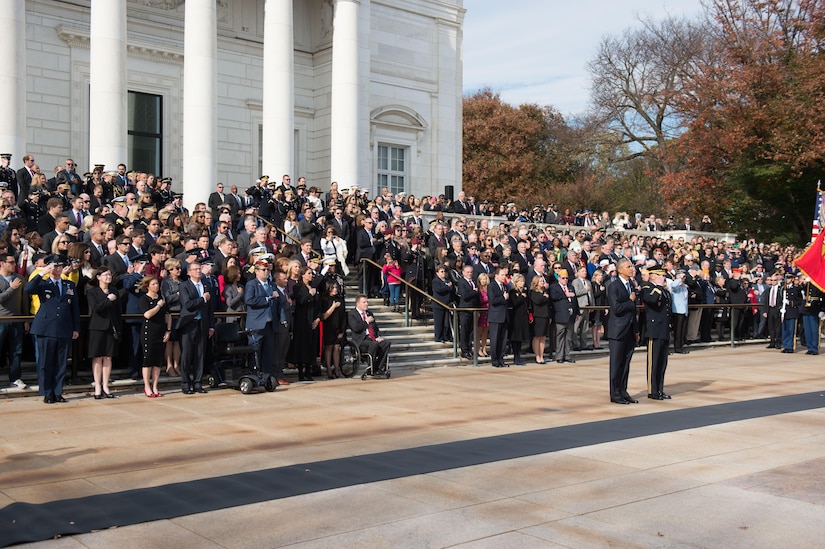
[530,317]
[115,333]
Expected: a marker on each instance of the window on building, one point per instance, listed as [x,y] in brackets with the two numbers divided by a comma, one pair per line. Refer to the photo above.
[392,168]
[145,132]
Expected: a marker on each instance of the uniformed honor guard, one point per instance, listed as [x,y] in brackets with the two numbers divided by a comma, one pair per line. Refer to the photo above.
[8,175]
[789,313]
[811,312]
[657,329]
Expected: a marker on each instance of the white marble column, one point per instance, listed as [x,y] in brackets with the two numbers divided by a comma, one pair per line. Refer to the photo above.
[13,79]
[108,94]
[345,104]
[278,91]
[200,100]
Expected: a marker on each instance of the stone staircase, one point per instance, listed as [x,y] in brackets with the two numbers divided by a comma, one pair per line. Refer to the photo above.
[412,347]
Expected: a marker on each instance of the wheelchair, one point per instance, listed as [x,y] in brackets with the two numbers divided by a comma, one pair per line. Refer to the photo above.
[352,359]
[230,349]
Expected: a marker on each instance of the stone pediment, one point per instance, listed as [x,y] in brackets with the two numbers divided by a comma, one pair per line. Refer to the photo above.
[398,116]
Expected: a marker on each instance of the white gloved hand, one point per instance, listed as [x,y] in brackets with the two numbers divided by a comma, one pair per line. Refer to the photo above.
[821,315]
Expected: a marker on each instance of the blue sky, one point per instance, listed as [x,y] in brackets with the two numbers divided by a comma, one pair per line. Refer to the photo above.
[536,51]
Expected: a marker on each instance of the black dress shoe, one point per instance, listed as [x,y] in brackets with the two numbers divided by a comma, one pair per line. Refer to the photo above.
[665,396]
[811,353]
[770,347]
[201,390]
[48,399]
[59,398]
[619,401]
[682,351]
[188,391]
[655,397]
[631,400]
[570,360]
[787,350]
[560,361]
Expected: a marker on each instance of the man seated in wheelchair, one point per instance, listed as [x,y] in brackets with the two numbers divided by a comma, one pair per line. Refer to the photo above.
[366,335]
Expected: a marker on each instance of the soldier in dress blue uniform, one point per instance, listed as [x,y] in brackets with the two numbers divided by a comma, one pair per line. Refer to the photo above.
[56,324]
[657,329]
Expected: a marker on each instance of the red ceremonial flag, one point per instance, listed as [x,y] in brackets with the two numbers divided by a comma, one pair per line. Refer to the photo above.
[812,261]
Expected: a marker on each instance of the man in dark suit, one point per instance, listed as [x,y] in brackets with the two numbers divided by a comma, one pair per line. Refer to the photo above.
[263,313]
[622,331]
[341,225]
[565,311]
[24,178]
[467,297]
[657,320]
[55,325]
[216,199]
[196,326]
[497,316]
[366,335]
[771,303]
[365,248]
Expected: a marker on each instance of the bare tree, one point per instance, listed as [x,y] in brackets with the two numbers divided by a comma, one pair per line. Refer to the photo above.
[638,79]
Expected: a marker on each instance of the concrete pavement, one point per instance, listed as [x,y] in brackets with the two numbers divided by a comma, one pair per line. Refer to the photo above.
[535,456]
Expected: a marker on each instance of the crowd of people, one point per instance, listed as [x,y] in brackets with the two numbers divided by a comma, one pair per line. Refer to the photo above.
[155,278]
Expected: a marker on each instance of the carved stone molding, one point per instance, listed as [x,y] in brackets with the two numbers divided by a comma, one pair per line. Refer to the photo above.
[168,5]
[79,38]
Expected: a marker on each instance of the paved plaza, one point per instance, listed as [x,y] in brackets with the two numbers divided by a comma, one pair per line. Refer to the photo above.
[535,456]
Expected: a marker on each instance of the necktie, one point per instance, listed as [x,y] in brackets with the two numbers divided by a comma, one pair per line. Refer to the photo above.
[773,296]
[79,219]
[59,288]
[627,285]
[369,326]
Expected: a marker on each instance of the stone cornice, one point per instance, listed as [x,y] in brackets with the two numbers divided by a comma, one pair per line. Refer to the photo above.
[80,38]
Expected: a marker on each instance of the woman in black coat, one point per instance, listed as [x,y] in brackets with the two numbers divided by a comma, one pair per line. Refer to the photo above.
[519,319]
[334,317]
[105,327]
[541,307]
[304,347]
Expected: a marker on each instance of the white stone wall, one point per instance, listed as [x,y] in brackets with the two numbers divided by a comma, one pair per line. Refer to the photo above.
[410,71]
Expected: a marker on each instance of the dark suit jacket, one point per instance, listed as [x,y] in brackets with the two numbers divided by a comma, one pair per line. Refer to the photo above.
[364,245]
[442,291]
[358,327]
[622,311]
[565,309]
[24,184]
[215,201]
[259,309]
[467,296]
[59,315]
[193,304]
[497,309]
[104,313]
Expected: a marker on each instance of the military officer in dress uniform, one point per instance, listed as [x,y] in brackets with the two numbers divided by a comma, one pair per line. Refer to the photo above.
[56,324]
[657,321]
[811,311]
[8,175]
[789,313]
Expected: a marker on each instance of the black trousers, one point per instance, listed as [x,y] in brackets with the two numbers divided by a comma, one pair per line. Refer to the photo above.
[656,365]
[465,327]
[498,338]
[192,345]
[775,327]
[379,351]
[621,352]
[440,332]
[679,328]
